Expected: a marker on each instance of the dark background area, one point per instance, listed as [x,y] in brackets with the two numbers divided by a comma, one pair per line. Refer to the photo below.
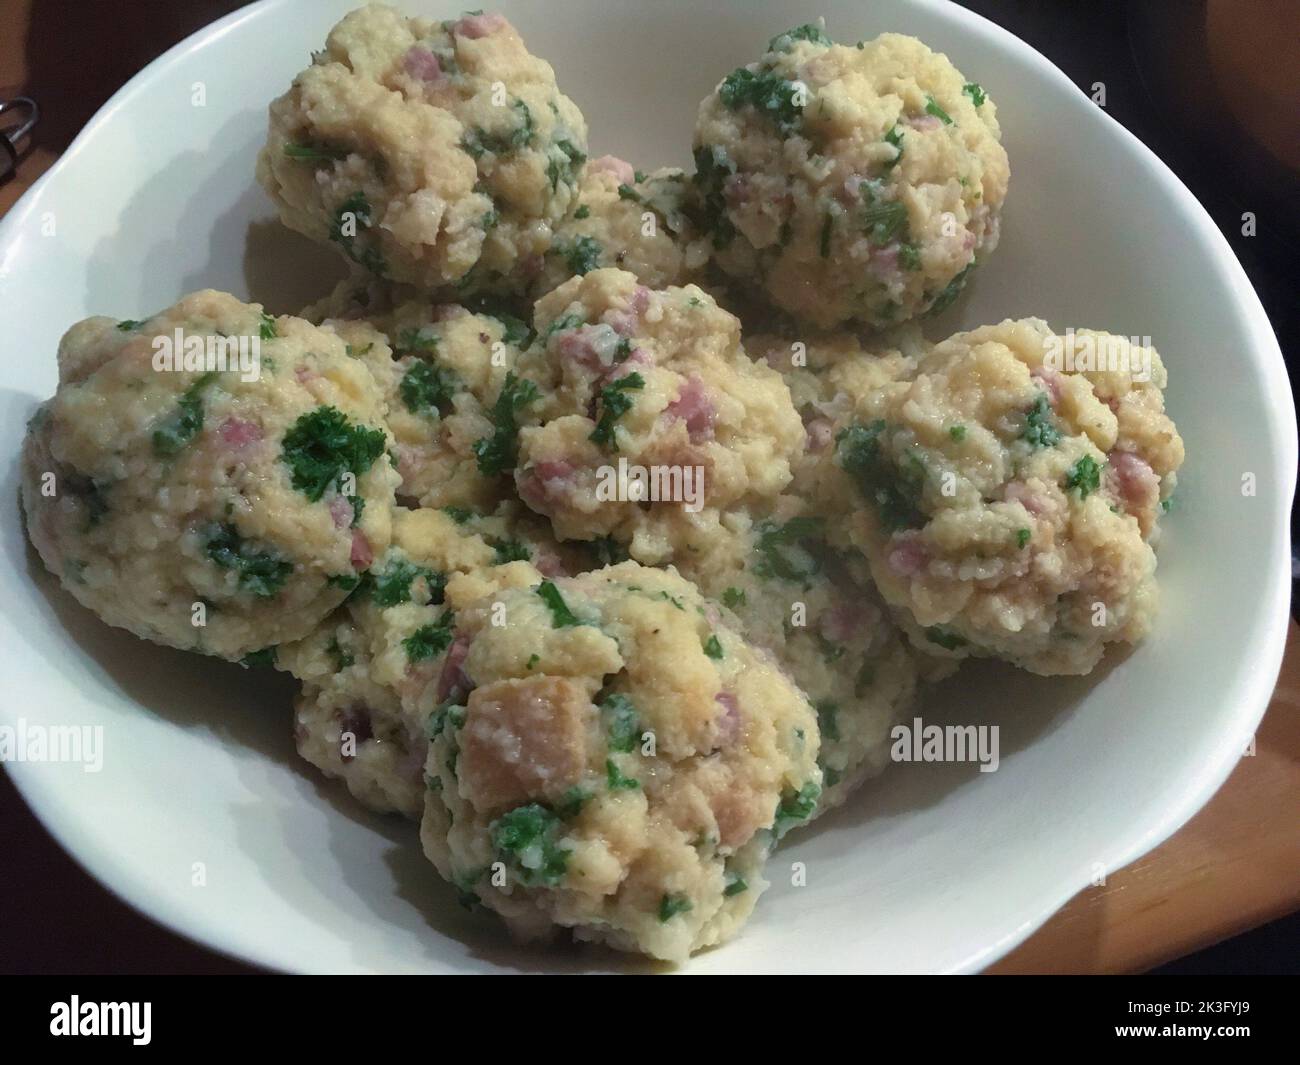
[1153,57]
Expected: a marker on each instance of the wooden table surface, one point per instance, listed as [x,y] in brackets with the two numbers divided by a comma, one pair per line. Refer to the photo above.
[1234,866]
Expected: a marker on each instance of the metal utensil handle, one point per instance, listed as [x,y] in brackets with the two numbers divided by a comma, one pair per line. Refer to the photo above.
[9,138]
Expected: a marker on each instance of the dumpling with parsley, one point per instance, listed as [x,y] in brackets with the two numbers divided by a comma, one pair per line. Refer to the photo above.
[221,510]
[365,668]
[813,611]
[850,183]
[1006,490]
[651,423]
[607,756]
[638,222]
[437,153]
[453,395]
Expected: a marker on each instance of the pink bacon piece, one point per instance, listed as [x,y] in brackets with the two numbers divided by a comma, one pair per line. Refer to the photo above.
[612,164]
[694,407]
[476,27]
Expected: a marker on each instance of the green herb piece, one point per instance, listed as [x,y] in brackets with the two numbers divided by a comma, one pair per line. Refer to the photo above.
[942,637]
[614,403]
[883,220]
[262,573]
[323,445]
[951,291]
[581,255]
[426,388]
[616,780]
[795,807]
[932,108]
[809,31]
[187,422]
[773,547]
[1040,430]
[894,138]
[767,93]
[431,639]
[357,208]
[1085,476]
[621,722]
[561,616]
[712,647]
[527,840]
[497,453]
[828,718]
[263,659]
[315,153]
[671,905]
[392,585]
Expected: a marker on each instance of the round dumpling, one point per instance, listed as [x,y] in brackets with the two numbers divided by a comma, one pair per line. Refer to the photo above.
[626,219]
[1006,493]
[448,378]
[434,153]
[364,669]
[205,503]
[850,183]
[814,613]
[654,421]
[609,757]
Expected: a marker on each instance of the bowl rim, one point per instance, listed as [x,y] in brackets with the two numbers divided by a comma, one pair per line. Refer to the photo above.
[127,884]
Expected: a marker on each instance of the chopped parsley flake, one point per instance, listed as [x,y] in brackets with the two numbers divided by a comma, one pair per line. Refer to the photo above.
[732,598]
[942,637]
[614,403]
[314,153]
[767,93]
[795,807]
[261,573]
[712,647]
[431,639]
[426,388]
[497,453]
[581,255]
[883,220]
[948,296]
[323,445]
[932,108]
[809,31]
[527,840]
[895,493]
[671,905]
[894,138]
[1084,475]
[622,723]
[356,210]
[774,544]
[828,718]
[391,585]
[263,659]
[561,616]
[510,551]
[186,423]
[977,94]
[616,780]
[1040,430]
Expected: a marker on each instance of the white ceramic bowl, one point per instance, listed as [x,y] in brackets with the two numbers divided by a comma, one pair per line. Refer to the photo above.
[931,868]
